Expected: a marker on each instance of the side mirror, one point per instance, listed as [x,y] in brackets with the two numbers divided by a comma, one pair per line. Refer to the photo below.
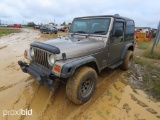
[118,33]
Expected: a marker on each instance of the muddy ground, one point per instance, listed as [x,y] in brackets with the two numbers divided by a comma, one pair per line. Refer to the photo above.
[112,100]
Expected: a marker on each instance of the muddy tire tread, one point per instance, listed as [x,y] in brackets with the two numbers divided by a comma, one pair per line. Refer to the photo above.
[124,65]
[73,83]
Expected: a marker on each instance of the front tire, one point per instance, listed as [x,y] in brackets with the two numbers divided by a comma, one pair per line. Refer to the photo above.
[81,86]
[128,60]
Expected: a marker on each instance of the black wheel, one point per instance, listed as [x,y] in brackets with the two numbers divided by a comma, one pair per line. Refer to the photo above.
[81,86]
[128,60]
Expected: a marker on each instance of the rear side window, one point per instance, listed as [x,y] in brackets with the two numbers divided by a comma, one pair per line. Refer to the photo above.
[118,32]
[117,26]
[129,32]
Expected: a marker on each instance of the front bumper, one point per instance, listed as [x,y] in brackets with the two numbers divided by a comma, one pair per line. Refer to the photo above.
[42,75]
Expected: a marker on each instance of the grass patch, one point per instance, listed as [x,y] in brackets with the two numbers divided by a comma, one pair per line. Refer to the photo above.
[155,54]
[48,36]
[52,36]
[147,46]
[144,45]
[7,31]
[1,27]
[141,61]
[150,73]
[150,69]
[154,64]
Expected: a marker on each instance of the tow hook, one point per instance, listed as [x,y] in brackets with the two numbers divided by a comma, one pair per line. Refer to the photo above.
[23,66]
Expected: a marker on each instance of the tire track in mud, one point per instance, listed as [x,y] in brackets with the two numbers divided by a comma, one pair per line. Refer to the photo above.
[25,98]
[133,106]
[20,85]
[33,97]
[3,88]
[20,88]
[48,103]
[60,107]
[29,101]
[4,46]
[144,105]
[12,67]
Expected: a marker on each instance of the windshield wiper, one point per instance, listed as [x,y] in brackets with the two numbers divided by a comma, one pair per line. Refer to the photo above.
[77,32]
[81,31]
[99,31]
[95,33]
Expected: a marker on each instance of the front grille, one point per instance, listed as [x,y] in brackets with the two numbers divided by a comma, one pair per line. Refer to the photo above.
[40,56]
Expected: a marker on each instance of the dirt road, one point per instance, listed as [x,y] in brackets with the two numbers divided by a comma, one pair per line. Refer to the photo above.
[112,99]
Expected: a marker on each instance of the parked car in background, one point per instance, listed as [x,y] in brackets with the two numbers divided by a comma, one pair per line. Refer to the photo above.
[37,27]
[61,28]
[48,29]
[17,26]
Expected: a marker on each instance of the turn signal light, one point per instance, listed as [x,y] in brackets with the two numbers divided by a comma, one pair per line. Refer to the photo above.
[57,68]
[25,53]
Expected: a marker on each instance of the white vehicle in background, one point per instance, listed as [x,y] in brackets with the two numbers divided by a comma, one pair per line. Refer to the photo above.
[60,28]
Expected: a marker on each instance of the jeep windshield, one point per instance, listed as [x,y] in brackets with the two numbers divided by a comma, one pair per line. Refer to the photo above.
[90,26]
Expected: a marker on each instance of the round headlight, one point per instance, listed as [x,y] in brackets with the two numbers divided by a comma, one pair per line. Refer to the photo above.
[52,59]
[32,52]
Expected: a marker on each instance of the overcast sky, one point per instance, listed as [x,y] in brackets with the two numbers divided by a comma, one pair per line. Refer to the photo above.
[144,12]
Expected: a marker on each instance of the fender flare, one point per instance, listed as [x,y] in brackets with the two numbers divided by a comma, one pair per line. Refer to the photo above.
[125,50]
[69,68]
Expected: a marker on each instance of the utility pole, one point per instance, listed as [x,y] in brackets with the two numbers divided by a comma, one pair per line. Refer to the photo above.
[157,38]
[0,21]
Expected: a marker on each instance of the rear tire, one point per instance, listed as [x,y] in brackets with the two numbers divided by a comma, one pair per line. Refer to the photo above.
[81,86]
[128,60]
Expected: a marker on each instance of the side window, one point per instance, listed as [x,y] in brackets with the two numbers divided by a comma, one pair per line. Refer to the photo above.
[129,32]
[118,32]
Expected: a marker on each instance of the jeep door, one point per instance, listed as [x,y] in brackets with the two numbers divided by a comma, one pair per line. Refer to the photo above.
[116,41]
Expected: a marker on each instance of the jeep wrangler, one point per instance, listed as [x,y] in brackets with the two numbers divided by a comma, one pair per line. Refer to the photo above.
[92,44]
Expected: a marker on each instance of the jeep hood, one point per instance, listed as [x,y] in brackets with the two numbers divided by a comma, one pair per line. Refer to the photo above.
[74,47]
